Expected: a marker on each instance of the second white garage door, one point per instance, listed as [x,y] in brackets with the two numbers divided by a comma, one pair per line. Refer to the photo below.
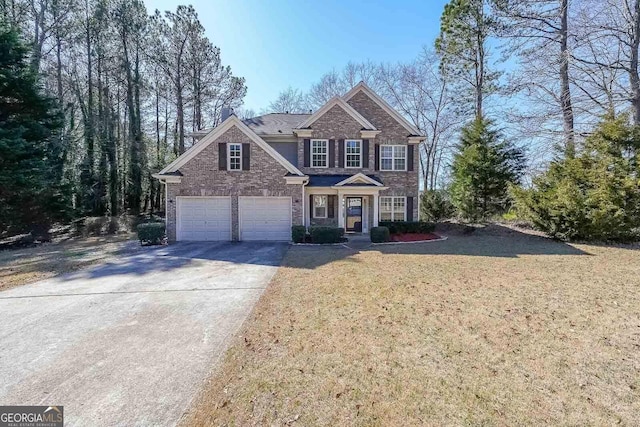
[265,218]
[203,218]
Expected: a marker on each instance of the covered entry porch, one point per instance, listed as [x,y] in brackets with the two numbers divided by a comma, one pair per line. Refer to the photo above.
[347,201]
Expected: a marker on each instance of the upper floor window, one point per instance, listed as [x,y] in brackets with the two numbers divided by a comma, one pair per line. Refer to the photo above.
[235,157]
[353,153]
[319,153]
[393,157]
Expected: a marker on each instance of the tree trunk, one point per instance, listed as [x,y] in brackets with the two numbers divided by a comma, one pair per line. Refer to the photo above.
[180,116]
[89,121]
[565,95]
[634,79]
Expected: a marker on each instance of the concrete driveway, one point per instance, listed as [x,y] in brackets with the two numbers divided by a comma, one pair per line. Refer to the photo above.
[129,342]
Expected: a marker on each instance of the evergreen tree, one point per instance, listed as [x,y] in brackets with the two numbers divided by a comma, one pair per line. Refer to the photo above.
[482,171]
[465,29]
[593,196]
[30,193]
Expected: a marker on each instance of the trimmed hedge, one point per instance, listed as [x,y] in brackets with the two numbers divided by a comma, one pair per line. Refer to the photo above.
[408,227]
[326,234]
[380,234]
[151,233]
[298,233]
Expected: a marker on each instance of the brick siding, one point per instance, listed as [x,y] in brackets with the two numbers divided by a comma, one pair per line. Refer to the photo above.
[201,177]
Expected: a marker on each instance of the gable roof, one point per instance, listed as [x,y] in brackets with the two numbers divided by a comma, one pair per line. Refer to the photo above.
[336,100]
[215,133]
[362,87]
[359,179]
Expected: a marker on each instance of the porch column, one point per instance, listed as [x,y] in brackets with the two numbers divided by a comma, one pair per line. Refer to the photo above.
[340,210]
[306,208]
[376,214]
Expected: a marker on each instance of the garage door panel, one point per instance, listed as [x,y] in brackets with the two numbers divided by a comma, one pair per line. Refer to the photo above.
[265,218]
[204,218]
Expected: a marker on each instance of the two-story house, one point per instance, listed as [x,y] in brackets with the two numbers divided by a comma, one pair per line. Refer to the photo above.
[352,163]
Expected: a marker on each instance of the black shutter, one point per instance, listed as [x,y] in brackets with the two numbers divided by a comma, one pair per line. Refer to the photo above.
[409,208]
[311,206]
[365,153]
[307,153]
[332,153]
[246,157]
[377,157]
[331,203]
[410,157]
[222,156]
[341,163]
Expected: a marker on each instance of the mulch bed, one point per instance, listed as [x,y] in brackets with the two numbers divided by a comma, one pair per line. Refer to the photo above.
[413,237]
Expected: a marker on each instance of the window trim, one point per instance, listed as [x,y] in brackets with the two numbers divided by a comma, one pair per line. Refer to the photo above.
[393,158]
[346,154]
[326,155]
[393,213]
[229,156]
[326,206]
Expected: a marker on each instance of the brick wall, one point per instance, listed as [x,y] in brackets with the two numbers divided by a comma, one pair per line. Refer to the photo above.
[201,177]
[338,124]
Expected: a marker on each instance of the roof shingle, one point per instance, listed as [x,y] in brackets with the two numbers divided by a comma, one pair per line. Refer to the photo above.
[275,123]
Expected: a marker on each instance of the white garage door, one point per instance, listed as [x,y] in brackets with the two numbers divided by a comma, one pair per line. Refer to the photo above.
[203,218]
[265,218]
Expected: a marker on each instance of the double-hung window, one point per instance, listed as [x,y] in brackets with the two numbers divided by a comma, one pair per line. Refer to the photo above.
[353,150]
[393,157]
[393,208]
[319,153]
[235,157]
[320,206]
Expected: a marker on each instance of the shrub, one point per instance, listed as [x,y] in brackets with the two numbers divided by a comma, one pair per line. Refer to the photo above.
[595,196]
[326,234]
[436,206]
[510,216]
[298,233]
[151,233]
[380,234]
[408,227]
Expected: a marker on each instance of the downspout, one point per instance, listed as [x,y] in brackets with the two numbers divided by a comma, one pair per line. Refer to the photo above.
[304,200]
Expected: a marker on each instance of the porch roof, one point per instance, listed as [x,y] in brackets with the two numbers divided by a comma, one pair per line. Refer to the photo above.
[331,180]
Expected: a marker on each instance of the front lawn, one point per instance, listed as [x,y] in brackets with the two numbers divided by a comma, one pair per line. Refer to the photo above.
[488,329]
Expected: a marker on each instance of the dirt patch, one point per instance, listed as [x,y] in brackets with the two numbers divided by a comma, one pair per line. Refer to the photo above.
[480,329]
[27,265]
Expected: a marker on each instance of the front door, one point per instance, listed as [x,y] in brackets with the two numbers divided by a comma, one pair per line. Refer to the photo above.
[354,214]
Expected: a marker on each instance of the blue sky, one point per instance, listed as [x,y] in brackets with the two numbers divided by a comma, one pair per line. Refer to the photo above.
[276,44]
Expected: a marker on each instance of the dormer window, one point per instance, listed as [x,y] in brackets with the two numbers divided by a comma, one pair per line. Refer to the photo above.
[353,150]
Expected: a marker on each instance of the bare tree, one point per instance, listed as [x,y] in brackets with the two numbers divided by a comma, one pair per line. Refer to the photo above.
[423,94]
[539,33]
[336,83]
[289,101]
[611,34]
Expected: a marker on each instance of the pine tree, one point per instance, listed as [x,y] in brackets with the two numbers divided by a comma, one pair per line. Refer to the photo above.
[482,171]
[465,29]
[30,193]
